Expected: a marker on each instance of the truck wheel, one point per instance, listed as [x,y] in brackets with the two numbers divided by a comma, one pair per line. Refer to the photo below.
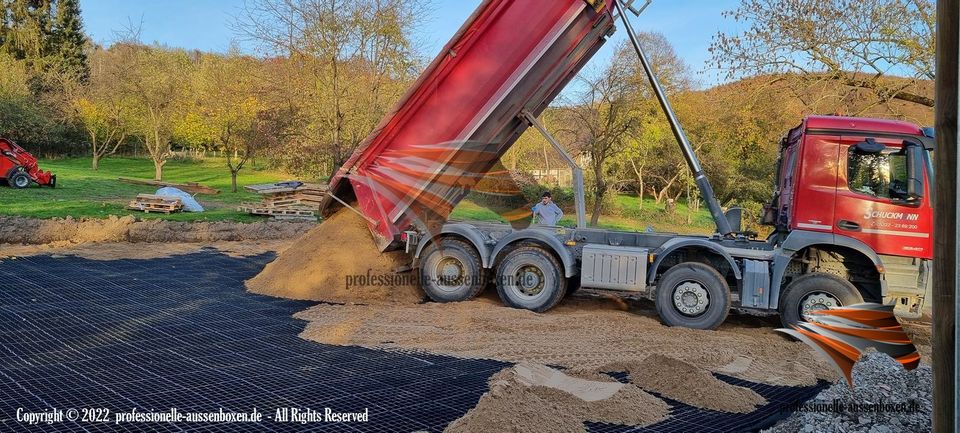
[531,278]
[451,272]
[816,291]
[693,295]
[19,180]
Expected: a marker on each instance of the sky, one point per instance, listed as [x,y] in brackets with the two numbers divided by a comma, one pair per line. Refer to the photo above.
[206,25]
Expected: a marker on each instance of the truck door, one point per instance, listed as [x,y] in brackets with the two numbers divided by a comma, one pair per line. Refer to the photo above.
[815,184]
[873,204]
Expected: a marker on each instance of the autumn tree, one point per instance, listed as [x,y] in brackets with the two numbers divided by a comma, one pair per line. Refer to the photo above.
[865,45]
[228,106]
[101,110]
[152,77]
[652,155]
[22,118]
[339,63]
[105,124]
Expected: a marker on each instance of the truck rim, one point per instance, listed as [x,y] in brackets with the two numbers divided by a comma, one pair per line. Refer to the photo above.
[690,298]
[21,181]
[450,272]
[816,301]
[530,280]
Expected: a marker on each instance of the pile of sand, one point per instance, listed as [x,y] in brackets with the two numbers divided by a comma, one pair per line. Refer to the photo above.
[17,230]
[582,332]
[687,383]
[529,398]
[338,262]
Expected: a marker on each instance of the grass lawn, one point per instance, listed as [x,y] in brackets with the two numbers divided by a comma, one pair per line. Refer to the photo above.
[82,192]
[629,216]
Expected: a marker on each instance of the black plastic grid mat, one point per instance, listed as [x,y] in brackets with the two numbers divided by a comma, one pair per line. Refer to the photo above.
[182,332]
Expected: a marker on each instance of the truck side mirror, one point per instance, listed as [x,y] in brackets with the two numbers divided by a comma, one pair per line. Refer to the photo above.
[914,170]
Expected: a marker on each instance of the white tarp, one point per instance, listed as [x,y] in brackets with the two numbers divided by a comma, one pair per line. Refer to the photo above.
[189,203]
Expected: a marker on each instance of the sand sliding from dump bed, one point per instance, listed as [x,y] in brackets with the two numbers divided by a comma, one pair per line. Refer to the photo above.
[531,397]
[337,261]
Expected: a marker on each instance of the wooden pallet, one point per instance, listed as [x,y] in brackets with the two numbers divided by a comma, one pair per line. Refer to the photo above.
[284,201]
[273,188]
[255,209]
[156,203]
[271,203]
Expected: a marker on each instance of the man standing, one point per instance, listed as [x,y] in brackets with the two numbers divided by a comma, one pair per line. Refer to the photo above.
[546,212]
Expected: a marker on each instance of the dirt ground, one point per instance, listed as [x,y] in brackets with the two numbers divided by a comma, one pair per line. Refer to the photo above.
[32,231]
[585,331]
[144,250]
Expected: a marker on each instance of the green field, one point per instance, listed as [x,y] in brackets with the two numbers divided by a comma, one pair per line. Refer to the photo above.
[82,192]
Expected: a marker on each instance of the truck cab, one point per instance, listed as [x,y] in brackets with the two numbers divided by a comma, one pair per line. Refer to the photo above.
[853,198]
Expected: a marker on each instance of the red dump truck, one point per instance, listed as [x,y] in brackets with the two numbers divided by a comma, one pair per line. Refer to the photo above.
[851,213]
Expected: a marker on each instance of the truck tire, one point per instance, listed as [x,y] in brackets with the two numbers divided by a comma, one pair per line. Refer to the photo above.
[815,291]
[19,180]
[451,272]
[693,295]
[531,278]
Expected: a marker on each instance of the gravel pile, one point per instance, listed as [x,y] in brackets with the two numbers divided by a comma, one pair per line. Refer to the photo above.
[885,399]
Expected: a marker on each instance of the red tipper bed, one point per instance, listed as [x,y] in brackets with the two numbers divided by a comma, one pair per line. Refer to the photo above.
[461,115]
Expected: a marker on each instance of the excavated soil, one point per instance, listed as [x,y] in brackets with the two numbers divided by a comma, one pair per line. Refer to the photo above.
[146,250]
[31,231]
[338,262]
[689,384]
[582,332]
[528,398]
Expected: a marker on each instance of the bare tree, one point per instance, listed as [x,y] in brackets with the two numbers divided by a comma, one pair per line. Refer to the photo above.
[618,124]
[865,45]
[349,60]
[601,121]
